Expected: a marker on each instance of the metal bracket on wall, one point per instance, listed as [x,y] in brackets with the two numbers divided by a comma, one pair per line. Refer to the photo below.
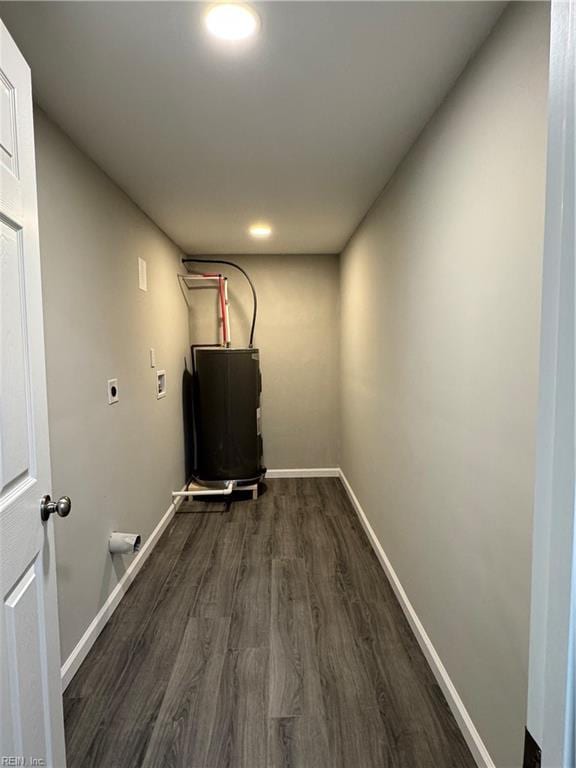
[219,282]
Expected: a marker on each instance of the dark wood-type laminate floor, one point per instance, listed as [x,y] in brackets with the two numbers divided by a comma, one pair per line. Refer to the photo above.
[262,636]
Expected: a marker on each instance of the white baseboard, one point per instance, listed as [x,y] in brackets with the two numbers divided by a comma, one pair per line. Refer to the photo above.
[307,472]
[72,663]
[471,735]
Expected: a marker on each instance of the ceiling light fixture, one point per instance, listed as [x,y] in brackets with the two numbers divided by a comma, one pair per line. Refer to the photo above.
[260,230]
[232,21]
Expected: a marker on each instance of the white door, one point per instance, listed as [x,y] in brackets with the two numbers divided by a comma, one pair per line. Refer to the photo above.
[31,722]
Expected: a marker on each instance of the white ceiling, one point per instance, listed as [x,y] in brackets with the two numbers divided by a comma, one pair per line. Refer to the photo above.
[301,128]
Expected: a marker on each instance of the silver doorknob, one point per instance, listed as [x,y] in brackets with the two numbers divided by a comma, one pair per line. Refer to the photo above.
[62,507]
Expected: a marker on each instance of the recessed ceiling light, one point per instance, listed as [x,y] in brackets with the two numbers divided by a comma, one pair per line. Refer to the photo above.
[260,230]
[232,21]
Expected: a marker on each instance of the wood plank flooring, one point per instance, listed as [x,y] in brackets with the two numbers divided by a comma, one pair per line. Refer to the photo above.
[261,634]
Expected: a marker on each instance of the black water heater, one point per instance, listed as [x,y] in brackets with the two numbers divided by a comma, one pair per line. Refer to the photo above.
[227,386]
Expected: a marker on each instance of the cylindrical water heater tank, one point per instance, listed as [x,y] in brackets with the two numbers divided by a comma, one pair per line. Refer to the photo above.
[227,406]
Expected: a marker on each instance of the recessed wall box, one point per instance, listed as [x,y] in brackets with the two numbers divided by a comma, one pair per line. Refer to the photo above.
[113,391]
[160,384]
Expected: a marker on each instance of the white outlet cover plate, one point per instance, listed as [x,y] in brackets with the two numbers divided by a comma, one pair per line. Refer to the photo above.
[142,275]
[113,391]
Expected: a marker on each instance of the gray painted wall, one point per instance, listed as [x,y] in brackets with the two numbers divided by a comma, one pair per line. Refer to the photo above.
[297,333]
[440,329]
[118,463]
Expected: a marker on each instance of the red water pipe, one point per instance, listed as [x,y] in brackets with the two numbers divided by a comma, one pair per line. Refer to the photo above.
[223,310]
[222,304]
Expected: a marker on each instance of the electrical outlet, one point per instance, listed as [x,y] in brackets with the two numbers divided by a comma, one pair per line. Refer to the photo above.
[113,392]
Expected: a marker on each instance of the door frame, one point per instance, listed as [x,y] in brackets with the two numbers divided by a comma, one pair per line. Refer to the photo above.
[551,685]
